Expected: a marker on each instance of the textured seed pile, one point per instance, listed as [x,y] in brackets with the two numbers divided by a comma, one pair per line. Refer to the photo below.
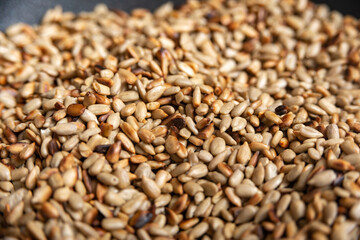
[217,120]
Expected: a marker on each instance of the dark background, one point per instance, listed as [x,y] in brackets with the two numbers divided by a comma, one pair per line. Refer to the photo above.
[31,11]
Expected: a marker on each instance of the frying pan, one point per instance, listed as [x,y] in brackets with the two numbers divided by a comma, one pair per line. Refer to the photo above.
[31,11]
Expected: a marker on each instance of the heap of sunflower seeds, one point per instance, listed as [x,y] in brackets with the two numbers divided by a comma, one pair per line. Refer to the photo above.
[217,120]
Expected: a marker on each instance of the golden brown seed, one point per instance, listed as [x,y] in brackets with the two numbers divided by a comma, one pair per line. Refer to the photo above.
[215,120]
[130,132]
[180,204]
[138,159]
[150,188]
[89,99]
[75,110]
[49,210]
[146,135]
[273,117]
[206,132]
[128,76]
[35,230]
[244,153]
[172,144]
[126,142]
[113,154]
[10,136]
[27,152]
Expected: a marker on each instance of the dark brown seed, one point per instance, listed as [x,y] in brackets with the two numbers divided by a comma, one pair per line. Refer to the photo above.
[140,218]
[102,148]
[104,117]
[99,67]
[281,110]
[178,122]
[59,106]
[53,147]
